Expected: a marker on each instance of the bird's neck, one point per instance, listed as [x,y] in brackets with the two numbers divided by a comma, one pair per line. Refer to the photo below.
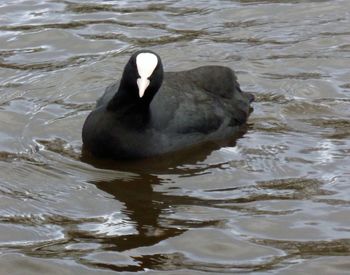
[127,97]
[129,108]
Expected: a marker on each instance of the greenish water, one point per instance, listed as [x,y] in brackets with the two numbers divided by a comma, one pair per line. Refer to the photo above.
[273,200]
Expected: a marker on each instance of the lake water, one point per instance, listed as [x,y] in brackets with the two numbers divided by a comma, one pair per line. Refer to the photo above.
[275,199]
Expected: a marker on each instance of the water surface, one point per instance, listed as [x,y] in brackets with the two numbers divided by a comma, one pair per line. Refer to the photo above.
[272,200]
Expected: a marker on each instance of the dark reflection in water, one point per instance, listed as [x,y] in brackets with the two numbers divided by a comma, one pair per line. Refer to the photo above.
[143,206]
[146,208]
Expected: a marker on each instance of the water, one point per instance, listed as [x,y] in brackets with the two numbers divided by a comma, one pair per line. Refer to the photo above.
[273,200]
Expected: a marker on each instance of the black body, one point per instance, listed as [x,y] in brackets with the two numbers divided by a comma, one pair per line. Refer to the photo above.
[178,109]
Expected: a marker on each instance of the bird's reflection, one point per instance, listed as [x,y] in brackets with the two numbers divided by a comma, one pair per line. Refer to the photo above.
[146,207]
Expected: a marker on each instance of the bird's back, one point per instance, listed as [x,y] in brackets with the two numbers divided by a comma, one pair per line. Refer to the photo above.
[199,100]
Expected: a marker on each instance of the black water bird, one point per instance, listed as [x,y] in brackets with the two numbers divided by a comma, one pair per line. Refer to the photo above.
[151,112]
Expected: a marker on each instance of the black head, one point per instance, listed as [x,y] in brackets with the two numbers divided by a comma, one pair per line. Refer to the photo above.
[142,76]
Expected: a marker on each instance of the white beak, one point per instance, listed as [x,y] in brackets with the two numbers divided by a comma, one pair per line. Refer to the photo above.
[142,83]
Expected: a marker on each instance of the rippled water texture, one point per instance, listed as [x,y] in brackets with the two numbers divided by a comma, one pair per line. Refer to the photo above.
[274,199]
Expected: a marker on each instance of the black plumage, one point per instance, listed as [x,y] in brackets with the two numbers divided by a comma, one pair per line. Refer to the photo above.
[177,110]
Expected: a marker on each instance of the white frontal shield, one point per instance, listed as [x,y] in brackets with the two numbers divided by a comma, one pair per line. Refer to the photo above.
[146,64]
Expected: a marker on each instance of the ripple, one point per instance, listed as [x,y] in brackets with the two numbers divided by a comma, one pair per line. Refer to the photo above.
[298,108]
[50,66]
[91,8]
[330,123]
[244,24]
[334,33]
[22,195]
[210,250]
[345,86]
[302,76]
[67,25]
[271,125]
[28,235]
[44,219]
[344,48]
[250,41]
[310,248]
[332,265]
[340,127]
[302,188]
[10,156]
[60,146]
[7,53]
[142,41]
[272,97]
[113,261]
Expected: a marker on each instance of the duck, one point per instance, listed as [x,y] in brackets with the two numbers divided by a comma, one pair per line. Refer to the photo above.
[150,112]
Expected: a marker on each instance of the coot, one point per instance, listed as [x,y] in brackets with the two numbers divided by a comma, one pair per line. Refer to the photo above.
[149,112]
